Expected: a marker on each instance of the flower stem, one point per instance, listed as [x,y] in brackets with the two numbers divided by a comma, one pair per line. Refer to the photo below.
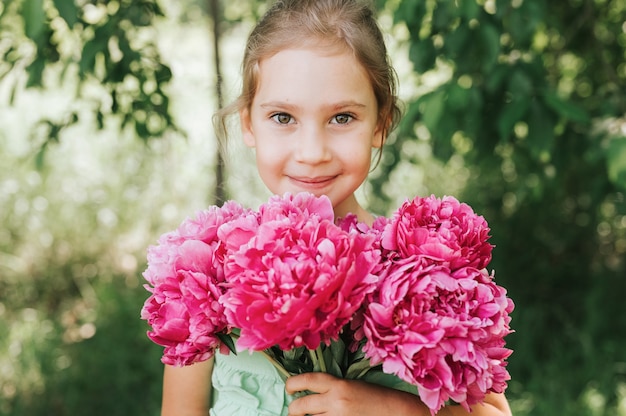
[314,360]
[276,364]
[320,356]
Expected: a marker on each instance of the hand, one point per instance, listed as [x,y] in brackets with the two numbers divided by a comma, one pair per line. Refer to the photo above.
[337,397]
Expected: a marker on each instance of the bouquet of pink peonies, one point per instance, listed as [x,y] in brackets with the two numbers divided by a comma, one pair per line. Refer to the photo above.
[407,302]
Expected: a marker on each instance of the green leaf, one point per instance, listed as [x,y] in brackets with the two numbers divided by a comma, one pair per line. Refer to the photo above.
[88,57]
[389,380]
[520,83]
[228,341]
[34,18]
[565,108]
[67,10]
[469,9]
[540,130]
[457,97]
[490,42]
[411,116]
[41,155]
[495,80]
[294,353]
[511,113]
[456,43]
[338,351]
[616,161]
[411,12]
[296,366]
[163,74]
[332,365]
[444,15]
[422,54]
[523,22]
[472,115]
[35,71]
[433,108]
[141,129]
[358,369]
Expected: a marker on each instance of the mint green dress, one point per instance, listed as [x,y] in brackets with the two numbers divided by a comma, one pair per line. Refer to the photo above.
[247,385]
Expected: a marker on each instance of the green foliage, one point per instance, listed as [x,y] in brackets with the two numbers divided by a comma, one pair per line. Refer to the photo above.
[108,45]
[90,359]
[72,246]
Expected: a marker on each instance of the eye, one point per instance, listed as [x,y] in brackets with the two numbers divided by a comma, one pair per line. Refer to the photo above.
[282,118]
[342,118]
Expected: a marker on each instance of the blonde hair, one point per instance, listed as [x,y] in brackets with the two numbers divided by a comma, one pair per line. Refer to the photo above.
[344,23]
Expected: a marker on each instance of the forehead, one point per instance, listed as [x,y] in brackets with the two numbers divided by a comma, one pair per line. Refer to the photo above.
[313,73]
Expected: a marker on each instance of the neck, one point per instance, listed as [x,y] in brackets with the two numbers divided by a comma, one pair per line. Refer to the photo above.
[351,206]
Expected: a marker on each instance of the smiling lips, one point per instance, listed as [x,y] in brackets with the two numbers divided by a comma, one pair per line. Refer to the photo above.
[317,182]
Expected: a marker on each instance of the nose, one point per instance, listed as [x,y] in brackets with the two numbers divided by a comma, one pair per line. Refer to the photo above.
[312,145]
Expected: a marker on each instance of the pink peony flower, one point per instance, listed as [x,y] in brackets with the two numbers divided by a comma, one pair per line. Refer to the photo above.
[186,277]
[289,208]
[296,208]
[437,320]
[300,278]
[444,229]
[351,224]
[440,330]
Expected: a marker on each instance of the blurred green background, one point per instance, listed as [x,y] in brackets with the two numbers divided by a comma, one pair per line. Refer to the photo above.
[516,107]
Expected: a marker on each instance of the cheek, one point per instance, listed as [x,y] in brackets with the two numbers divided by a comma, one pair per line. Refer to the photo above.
[268,158]
[356,154]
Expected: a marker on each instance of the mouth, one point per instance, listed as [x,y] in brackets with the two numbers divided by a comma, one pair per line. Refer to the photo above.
[317,182]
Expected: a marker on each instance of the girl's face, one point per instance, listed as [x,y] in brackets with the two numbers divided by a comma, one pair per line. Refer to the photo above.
[313,123]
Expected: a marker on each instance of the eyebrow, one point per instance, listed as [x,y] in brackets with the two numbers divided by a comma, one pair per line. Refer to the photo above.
[335,106]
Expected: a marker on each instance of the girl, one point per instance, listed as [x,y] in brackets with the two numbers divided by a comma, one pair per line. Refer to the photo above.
[318,96]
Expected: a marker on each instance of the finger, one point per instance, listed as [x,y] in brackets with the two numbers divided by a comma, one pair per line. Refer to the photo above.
[317,382]
[311,404]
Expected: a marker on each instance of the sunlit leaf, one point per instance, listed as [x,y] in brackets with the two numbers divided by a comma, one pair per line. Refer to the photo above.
[40,156]
[433,108]
[35,72]
[616,161]
[90,51]
[411,13]
[67,10]
[34,18]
